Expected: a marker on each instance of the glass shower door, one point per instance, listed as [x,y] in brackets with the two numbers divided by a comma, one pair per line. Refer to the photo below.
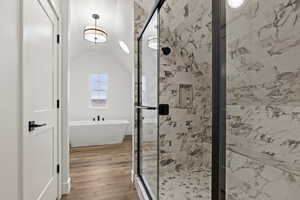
[185,84]
[147,108]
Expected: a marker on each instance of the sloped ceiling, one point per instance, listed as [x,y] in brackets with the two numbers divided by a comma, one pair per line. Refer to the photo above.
[116,17]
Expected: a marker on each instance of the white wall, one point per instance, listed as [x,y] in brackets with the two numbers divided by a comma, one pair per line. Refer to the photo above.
[119,87]
[10,104]
[56,4]
[125,31]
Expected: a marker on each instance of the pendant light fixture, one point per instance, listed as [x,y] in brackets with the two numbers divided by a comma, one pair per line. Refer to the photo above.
[235,3]
[95,33]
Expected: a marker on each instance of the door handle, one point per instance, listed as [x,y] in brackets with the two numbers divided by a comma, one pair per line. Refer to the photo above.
[163,109]
[32,125]
[146,107]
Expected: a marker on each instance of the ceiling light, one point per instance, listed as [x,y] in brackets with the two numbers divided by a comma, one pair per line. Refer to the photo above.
[124,47]
[95,33]
[235,3]
[153,42]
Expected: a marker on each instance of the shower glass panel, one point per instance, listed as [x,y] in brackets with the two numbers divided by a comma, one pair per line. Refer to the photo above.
[148,113]
[263,100]
[185,83]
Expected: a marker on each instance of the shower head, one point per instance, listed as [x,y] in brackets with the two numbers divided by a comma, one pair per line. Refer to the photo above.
[166,50]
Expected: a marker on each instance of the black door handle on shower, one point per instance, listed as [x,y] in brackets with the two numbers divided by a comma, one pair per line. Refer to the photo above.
[146,107]
[32,125]
[163,109]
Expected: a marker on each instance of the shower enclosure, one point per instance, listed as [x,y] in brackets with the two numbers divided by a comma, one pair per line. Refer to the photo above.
[148,153]
[219,100]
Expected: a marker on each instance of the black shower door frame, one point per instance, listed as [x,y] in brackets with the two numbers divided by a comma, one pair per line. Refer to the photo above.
[155,9]
[218,99]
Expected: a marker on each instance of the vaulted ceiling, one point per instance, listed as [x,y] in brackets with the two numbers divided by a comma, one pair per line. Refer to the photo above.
[116,17]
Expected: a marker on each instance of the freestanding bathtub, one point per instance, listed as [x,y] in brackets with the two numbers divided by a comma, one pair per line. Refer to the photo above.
[89,133]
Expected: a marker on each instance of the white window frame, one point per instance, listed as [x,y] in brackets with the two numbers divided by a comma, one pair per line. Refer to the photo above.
[102,104]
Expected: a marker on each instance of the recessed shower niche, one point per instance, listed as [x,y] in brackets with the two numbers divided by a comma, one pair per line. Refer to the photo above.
[185,96]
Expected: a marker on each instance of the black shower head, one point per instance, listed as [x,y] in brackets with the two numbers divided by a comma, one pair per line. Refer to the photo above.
[166,50]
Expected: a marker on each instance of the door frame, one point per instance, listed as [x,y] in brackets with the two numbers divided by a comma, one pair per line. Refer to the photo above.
[65,179]
[219,99]
[55,9]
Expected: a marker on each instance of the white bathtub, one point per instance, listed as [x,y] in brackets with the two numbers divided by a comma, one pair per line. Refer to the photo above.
[89,133]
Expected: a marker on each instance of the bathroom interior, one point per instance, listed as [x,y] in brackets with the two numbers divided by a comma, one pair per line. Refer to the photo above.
[101,108]
[208,93]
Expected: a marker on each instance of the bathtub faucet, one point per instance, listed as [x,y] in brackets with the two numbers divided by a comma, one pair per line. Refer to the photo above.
[98,118]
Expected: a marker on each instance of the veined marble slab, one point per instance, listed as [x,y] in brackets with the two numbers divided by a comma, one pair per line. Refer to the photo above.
[249,179]
[267,133]
[185,135]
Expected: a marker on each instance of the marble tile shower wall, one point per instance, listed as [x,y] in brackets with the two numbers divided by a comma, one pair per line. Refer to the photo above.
[263,100]
[185,84]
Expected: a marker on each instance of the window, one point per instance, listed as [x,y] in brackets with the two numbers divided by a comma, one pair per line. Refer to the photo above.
[98,89]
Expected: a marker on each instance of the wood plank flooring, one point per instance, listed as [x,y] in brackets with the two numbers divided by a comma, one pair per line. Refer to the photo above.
[102,173]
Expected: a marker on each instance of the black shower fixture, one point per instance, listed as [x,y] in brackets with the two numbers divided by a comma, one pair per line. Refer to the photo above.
[166,50]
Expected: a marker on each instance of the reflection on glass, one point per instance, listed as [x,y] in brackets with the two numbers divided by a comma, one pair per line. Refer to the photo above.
[235,3]
[149,118]
[263,101]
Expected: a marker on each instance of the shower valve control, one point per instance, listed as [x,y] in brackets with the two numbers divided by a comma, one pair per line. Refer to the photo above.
[163,109]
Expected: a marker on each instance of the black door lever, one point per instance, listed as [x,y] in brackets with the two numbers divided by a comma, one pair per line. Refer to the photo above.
[32,125]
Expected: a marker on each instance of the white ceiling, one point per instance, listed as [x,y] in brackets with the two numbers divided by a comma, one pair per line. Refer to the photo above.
[116,17]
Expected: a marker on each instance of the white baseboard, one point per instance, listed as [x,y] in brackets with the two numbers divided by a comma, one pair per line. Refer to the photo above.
[66,187]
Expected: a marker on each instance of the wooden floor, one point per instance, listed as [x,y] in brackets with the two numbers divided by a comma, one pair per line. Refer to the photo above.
[102,173]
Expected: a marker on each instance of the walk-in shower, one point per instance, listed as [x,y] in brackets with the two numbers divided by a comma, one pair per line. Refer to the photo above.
[229,71]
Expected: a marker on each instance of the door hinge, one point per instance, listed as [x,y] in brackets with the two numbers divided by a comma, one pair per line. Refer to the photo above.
[58,38]
[58,104]
[58,169]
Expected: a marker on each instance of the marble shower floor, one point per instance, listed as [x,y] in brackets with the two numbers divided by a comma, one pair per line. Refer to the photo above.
[185,185]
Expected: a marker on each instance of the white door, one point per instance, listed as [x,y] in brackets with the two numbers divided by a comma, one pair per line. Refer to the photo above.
[40,92]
